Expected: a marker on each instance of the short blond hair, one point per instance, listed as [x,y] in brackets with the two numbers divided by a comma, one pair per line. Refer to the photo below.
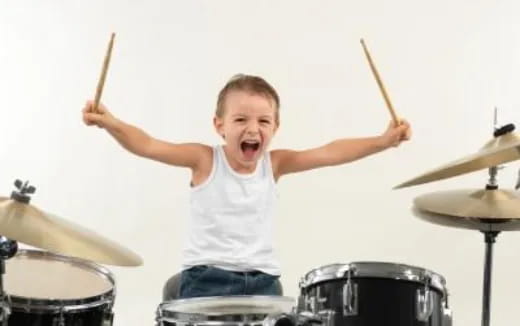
[248,83]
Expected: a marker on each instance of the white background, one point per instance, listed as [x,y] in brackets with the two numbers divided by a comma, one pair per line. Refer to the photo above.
[446,64]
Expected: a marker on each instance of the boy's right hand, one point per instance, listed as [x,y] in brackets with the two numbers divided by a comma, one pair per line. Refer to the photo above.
[101,117]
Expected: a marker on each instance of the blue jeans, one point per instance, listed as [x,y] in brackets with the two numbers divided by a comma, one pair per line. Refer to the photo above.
[206,281]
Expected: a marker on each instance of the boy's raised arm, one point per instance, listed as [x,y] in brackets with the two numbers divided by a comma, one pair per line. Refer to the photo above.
[337,152]
[138,142]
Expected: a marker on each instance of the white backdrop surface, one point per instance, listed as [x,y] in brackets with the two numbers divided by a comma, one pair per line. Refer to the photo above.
[446,64]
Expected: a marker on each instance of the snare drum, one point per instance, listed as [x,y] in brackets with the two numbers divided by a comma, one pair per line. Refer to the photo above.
[46,289]
[375,293]
[222,311]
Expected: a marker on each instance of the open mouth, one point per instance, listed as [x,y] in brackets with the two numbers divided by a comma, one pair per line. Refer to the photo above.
[250,148]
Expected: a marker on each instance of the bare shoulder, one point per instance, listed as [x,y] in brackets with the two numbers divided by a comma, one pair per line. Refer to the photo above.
[275,162]
[276,155]
[205,161]
[202,170]
[279,159]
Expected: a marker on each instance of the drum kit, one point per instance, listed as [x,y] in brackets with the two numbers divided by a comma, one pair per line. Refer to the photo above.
[381,293]
[63,285]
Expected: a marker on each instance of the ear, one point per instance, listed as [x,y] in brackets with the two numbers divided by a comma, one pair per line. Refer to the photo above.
[277,124]
[219,126]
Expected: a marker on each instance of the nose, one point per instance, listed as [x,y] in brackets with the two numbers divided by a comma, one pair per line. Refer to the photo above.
[252,127]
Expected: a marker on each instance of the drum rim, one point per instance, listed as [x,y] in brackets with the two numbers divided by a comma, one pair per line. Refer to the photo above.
[373,269]
[66,305]
[190,318]
[216,317]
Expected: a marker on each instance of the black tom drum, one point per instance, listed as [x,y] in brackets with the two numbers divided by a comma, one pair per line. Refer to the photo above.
[375,293]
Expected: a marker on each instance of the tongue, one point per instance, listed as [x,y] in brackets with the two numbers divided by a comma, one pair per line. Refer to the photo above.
[249,152]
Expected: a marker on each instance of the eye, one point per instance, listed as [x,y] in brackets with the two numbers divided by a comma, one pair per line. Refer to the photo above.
[265,121]
[240,120]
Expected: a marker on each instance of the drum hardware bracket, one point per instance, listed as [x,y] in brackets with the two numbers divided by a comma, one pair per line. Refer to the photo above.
[108,314]
[327,317]
[313,303]
[506,129]
[346,271]
[5,309]
[310,303]
[447,317]
[350,296]
[424,301]
[8,249]
[23,192]
[158,316]
[319,298]
[492,182]
[60,319]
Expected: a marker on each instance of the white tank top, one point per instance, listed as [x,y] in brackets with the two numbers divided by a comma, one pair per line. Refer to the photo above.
[231,225]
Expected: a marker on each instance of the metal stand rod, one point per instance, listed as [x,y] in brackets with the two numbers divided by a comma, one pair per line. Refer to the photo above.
[5,310]
[8,249]
[489,237]
[2,272]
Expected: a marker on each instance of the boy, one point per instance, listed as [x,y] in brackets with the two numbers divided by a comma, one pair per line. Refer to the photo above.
[229,249]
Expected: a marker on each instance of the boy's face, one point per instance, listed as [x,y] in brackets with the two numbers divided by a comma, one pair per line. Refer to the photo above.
[248,124]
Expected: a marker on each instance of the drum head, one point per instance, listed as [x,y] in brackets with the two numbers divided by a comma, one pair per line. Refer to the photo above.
[231,305]
[45,276]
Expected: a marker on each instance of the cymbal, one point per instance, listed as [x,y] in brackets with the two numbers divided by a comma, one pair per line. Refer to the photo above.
[486,210]
[28,224]
[501,149]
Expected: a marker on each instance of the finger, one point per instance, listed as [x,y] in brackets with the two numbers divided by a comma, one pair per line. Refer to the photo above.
[89,106]
[408,134]
[93,117]
[87,122]
[102,108]
[404,127]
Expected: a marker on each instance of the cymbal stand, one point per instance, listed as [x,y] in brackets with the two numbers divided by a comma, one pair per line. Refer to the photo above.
[8,249]
[489,238]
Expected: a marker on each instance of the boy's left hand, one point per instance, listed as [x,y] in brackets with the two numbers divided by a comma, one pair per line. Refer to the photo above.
[395,134]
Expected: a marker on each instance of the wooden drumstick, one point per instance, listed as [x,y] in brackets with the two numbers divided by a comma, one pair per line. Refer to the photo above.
[380,84]
[103,76]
